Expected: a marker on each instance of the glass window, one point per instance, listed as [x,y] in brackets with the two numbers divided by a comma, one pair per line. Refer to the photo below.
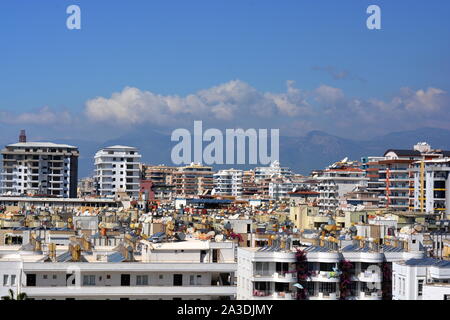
[142,280]
[420,288]
[5,279]
[89,280]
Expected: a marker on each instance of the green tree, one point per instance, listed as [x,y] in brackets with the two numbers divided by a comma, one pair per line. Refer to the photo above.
[20,296]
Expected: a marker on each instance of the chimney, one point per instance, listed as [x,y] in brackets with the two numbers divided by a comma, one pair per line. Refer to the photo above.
[23,136]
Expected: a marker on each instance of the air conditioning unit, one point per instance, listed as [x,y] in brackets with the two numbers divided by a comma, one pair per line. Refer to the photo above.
[429,280]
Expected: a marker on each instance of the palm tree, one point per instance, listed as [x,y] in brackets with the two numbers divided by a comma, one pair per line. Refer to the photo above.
[20,296]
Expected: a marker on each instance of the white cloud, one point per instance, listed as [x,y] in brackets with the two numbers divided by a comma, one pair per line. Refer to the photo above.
[329,95]
[43,116]
[236,103]
[223,102]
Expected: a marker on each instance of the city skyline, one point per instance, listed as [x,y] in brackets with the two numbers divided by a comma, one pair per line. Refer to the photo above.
[296,66]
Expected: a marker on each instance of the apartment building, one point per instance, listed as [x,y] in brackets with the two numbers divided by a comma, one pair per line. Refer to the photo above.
[117,169]
[40,168]
[372,168]
[160,174]
[38,203]
[161,177]
[432,186]
[335,183]
[189,270]
[280,187]
[275,169]
[228,182]
[87,187]
[193,180]
[421,279]
[249,187]
[392,178]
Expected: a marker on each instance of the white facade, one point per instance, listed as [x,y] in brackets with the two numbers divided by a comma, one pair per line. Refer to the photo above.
[265,273]
[280,188]
[117,169]
[228,182]
[335,183]
[40,168]
[274,170]
[185,270]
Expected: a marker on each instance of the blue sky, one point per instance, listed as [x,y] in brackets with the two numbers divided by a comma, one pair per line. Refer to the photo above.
[178,48]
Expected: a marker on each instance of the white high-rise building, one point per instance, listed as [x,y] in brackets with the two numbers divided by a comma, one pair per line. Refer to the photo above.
[228,182]
[40,168]
[117,169]
[274,170]
[431,186]
[334,183]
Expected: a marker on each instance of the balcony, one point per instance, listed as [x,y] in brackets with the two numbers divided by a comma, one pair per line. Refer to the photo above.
[366,295]
[276,276]
[132,291]
[325,296]
[325,276]
[369,276]
[272,295]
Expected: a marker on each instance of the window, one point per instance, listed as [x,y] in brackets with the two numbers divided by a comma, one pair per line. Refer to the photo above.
[403,286]
[262,268]
[177,279]
[394,278]
[13,280]
[420,288]
[5,279]
[161,277]
[44,277]
[54,277]
[125,280]
[310,288]
[89,280]
[191,280]
[142,280]
[31,280]
[327,266]
[327,287]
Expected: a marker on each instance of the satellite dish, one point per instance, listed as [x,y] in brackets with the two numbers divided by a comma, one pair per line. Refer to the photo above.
[298,285]
[219,238]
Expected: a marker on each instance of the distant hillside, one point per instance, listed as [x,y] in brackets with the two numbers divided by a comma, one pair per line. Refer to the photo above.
[316,150]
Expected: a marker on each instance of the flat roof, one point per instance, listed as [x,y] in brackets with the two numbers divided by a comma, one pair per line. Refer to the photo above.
[41,145]
[67,200]
[120,147]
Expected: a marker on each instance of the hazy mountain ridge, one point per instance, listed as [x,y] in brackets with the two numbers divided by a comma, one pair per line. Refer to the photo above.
[316,150]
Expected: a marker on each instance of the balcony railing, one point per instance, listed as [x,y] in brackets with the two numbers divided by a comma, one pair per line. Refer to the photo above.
[273,294]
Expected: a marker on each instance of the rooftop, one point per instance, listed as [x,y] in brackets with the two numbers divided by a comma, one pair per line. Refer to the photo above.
[40,145]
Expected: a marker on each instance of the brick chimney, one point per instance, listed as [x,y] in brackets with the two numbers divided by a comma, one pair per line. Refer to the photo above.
[23,136]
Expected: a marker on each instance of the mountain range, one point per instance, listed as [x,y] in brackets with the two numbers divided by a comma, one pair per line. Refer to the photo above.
[316,150]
